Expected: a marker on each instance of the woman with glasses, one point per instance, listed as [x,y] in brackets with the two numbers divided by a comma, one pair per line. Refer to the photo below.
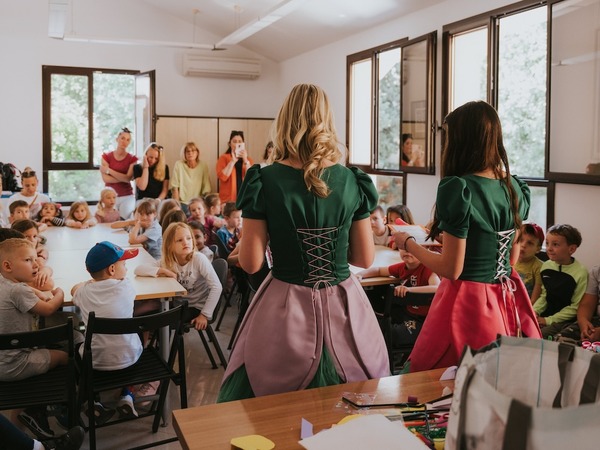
[29,193]
[232,166]
[152,176]
[117,172]
[190,176]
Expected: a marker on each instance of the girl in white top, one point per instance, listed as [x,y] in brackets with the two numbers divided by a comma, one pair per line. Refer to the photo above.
[193,271]
[29,192]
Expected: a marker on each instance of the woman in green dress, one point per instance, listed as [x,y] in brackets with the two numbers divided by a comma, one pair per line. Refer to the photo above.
[310,323]
[479,209]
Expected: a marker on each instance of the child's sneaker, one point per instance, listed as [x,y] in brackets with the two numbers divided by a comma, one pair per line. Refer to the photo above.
[35,419]
[102,414]
[71,440]
[125,406]
[147,390]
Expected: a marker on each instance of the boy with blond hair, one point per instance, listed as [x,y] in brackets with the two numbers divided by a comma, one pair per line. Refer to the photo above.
[564,281]
[18,303]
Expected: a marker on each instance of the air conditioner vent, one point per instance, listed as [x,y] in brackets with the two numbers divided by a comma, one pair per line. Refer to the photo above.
[203,66]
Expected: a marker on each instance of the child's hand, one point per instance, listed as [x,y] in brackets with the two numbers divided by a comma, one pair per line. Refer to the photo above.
[41,278]
[400,291]
[162,272]
[200,322]
[42,295]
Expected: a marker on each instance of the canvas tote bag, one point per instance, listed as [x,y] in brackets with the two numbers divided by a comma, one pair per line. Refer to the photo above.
[533,394]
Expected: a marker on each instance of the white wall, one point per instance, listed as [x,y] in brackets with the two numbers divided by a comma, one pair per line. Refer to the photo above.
[25,47]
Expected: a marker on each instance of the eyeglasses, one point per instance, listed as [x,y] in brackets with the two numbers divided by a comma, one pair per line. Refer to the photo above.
[125,130]
[156,146]
[28,174]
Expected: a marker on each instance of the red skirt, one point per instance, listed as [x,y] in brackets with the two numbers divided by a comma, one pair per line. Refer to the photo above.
[471,313]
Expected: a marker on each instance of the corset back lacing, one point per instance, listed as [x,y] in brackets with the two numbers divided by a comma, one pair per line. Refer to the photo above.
[504,241]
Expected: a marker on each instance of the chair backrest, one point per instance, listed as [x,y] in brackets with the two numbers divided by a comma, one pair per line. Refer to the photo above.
[134,325]
[221,268]
[223,250]
[215,250]
[410,299]
[39,338]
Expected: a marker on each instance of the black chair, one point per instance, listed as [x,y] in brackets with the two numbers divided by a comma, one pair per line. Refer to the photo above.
[151,366]
[254,281]
[57,386]
[221,268]
[215,249]
[398,352]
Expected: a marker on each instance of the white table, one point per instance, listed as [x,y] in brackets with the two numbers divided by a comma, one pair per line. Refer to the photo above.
[384,257]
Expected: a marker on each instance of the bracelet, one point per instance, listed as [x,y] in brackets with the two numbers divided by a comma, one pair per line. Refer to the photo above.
[406,240]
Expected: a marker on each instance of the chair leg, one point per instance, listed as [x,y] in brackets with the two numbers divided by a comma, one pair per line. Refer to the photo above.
[207,348]
[213,338]
[163,390]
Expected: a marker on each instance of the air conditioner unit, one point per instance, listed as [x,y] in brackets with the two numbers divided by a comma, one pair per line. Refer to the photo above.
[203,66]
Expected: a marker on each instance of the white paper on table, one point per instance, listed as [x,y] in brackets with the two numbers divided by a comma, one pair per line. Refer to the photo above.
[369,431]
[417,231]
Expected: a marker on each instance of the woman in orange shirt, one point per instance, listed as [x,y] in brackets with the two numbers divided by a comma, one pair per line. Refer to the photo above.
[232,166]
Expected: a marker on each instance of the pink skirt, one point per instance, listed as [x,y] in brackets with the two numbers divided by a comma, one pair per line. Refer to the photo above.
[470,313]
[281,338]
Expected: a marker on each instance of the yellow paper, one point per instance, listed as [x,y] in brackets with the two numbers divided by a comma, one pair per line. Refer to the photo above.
[252,442]
[348,418]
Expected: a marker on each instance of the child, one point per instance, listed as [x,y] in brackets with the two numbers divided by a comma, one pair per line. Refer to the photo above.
[110,294]
[29,193]
[105,210]
[165,206]
[399,212]
[212,221]
[200,237]
[528,266]
[175,215]
[146,230]
[588,310]
[381,232]
[29,230]
[192,270]
[564,280]
[51,215]
[80,216]
[18,304]
[415,278]
[197,210]
[18,210]
[230,232]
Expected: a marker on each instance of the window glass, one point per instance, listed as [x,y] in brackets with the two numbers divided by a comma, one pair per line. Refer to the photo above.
[388,110]
[360,113]
[538,210]
[468,67]
[390,189]
[69,122]
[522,90]
[74,185]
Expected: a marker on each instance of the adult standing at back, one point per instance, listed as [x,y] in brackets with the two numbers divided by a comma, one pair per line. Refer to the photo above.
[232,166]
[152,176]
[117,172]
[190,176]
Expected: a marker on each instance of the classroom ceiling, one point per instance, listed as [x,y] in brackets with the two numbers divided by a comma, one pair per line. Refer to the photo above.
[307,25]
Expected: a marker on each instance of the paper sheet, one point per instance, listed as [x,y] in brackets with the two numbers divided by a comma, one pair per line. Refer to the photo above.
[372,431]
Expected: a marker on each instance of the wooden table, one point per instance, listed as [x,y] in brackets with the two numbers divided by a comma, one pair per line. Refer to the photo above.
[278,417]
[384,257]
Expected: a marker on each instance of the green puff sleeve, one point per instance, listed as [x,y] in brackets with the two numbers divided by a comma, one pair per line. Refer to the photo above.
[251,199]
[368,196]
[524,196]
[453,206]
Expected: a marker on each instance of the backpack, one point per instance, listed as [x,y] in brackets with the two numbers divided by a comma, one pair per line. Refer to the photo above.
[10,177]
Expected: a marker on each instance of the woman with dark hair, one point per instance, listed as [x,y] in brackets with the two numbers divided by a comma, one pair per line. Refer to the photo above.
[479,208]
[232,166]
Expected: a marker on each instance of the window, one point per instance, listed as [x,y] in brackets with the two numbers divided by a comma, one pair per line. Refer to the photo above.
[390,101]
[83,111]
[501,57]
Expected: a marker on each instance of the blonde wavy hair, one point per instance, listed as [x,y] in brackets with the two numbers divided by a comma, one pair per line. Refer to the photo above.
[168,260]
[159,168]
[304,130]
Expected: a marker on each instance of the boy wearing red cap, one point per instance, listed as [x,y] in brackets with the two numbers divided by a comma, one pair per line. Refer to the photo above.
[529,265]
[111,295]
